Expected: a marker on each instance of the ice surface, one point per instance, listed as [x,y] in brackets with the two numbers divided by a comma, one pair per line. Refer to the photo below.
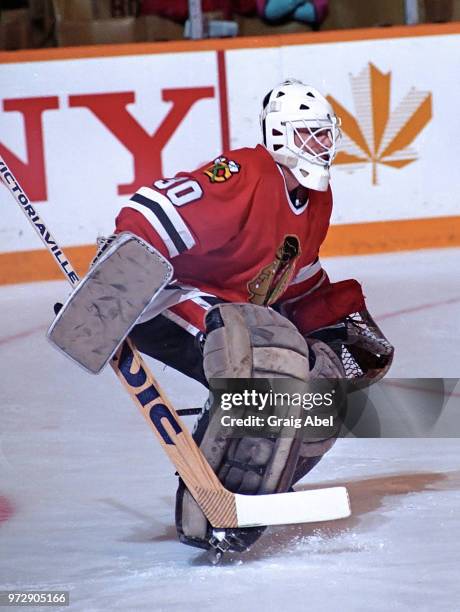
[93,495]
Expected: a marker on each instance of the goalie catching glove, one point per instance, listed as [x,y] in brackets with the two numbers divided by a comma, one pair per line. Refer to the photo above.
[337,315]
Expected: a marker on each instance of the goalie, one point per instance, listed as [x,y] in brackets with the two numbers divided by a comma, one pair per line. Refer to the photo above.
[243,234]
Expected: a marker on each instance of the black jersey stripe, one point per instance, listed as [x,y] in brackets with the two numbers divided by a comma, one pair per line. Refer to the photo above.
[163,218]
[211,300]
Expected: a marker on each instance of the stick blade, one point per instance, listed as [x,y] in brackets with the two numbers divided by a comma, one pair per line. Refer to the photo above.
[311,506]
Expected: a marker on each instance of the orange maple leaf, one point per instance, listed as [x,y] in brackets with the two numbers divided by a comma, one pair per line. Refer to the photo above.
[382,137]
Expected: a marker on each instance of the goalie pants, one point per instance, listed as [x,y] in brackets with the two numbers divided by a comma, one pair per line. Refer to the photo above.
[174,341]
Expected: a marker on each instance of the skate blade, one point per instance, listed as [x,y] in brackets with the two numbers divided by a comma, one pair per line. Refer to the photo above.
[215,556]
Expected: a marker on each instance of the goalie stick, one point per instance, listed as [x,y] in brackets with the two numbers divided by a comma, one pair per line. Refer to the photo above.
[222,508]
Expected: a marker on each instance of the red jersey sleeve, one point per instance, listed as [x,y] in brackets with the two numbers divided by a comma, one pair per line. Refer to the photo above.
[198,211]
[326,305]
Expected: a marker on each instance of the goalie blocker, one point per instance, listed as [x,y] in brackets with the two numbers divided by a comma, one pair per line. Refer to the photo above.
[105,305]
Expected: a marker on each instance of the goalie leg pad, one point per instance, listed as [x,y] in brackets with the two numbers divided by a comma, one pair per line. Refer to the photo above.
[248,465]
[106,304]
[244,341]
[248,341]
[310,455]
[324,362]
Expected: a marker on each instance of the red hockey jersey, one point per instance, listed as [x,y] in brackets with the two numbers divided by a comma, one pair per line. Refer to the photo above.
[232,230]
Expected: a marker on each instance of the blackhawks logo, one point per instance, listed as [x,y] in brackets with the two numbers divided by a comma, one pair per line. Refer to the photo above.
[272,281]
[221,170]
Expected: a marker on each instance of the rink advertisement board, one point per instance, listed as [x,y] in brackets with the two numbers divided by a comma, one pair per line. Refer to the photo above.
[83,128]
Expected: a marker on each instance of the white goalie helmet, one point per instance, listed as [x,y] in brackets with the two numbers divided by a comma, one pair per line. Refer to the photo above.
[301,130]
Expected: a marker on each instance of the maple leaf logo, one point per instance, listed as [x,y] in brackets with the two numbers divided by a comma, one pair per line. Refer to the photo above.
[381,136]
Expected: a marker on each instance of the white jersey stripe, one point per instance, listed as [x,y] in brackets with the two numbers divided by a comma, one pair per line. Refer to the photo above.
[306,272]
[299,297]
[200,302]
[171,296]
[175,318]
[171,212]
[157,226]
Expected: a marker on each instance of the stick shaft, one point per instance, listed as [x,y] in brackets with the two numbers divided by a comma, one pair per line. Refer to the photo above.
[37,222]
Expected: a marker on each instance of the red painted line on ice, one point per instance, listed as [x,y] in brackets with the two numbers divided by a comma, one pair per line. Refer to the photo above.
[395,313]
[6,509]
[24,334]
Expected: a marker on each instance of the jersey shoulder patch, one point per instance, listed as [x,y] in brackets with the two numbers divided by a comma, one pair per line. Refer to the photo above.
[222,169]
